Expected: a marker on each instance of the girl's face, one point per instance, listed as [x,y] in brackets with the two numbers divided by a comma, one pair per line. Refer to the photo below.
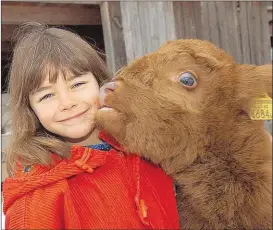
[67,107]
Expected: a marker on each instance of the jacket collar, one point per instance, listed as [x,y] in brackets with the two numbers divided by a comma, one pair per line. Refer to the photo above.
[110,140]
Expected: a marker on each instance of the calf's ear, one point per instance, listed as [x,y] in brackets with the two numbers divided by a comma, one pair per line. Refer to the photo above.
[253,82]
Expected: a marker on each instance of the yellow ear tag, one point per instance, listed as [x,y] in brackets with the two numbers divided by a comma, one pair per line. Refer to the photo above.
[261,109]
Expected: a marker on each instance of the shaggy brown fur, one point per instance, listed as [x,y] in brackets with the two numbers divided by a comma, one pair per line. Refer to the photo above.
[202,137]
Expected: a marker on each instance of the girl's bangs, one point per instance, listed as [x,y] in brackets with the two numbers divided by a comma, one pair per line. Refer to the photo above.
[52,66]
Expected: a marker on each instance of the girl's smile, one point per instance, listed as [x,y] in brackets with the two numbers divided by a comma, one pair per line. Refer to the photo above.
[76,119]
[72,117]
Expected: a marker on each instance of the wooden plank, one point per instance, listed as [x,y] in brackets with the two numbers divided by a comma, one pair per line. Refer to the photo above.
[269,7]
[205,21]
[189,19]
[113,35]
[213,24]
[132,31]
[143,13]
[127,31]
[250,31]
[146,26]
[162,23]
[51,14]
[254,32]
[162,31]
[197,18]
[244,33]
[178,18]
[257,30]
[222,17]
[166,19]
[154,25]
[229,29]
[234,31]
[170,21]
[265,34]
[135,27]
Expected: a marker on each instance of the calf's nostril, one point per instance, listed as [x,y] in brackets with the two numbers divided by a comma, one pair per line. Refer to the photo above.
[111,86]
[108,87]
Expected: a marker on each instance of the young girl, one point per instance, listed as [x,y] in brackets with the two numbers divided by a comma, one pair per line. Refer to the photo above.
[62,175]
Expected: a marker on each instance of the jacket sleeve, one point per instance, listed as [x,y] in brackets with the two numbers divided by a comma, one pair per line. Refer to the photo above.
[39,209]
[158,192]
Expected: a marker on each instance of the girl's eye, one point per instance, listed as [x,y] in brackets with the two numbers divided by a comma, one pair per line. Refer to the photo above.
[46,96]
[188,80]
[78,84]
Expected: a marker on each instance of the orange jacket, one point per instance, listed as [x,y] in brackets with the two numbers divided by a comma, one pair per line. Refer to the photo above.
[94,189]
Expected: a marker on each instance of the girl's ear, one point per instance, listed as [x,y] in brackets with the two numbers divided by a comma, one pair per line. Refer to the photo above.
[253,82]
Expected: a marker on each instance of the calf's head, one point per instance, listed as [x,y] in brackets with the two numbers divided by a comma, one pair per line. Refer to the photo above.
[185,98]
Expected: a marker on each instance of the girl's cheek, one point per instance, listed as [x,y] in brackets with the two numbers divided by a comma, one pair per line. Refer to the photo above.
[96,103]
[47,109]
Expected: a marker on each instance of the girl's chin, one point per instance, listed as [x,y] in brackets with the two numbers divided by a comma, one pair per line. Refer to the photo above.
[78,135]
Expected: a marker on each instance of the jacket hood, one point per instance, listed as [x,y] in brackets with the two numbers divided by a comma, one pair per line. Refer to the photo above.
[30,178]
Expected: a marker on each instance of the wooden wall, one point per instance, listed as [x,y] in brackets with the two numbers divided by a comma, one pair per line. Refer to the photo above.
[240,28]
[140,26]
[146,25]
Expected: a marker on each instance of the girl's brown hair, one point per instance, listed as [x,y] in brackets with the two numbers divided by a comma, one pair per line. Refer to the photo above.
[42,51]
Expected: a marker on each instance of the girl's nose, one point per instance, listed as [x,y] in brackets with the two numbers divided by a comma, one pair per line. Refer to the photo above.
[66,105]
[66,101]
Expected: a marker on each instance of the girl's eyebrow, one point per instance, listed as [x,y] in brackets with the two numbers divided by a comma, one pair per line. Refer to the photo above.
[42,89]
[72,77]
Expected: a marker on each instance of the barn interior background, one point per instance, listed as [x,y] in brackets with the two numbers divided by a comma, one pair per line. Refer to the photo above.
[127,30]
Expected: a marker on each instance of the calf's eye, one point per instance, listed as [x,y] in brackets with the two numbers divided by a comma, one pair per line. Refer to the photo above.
[188,80]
